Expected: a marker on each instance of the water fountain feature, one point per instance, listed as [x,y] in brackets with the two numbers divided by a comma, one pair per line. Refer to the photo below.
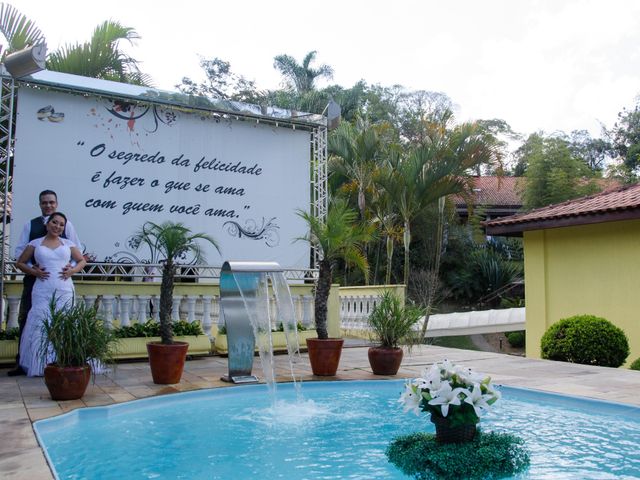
[244,298]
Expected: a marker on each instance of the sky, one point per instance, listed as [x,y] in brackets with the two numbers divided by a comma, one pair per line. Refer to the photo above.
[540,65]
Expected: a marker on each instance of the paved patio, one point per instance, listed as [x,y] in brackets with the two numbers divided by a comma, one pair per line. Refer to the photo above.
[25,400]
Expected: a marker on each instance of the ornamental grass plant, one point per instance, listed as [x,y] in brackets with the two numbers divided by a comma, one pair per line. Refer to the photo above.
[392,323]
[74,335]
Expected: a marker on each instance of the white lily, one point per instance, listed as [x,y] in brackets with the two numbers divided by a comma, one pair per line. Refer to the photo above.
[477,400]
[411,398]
[448,368]
[446,396]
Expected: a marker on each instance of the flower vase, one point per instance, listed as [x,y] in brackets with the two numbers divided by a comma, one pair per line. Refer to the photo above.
[445,433]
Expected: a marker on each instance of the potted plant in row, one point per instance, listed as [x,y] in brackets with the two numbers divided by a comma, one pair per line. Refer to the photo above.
[171,241]
[392,324]
[78,340]
[339,237]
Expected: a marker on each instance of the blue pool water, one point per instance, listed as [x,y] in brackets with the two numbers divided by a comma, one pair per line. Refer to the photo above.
[339,430]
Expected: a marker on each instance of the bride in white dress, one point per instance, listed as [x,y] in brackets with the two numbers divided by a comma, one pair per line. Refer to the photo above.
[51,267]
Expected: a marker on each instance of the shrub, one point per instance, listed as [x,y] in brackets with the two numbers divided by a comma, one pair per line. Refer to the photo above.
[635,365]
[11,334]
[152,329]
[585,339]
[516,339]
[491,455]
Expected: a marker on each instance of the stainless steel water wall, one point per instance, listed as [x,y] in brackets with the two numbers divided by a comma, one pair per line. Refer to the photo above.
[242,291]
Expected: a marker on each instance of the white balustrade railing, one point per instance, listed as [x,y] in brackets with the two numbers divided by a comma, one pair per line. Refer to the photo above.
[130,309]
[355,311]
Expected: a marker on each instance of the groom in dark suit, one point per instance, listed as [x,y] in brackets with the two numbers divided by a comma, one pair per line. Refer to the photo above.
[35,228]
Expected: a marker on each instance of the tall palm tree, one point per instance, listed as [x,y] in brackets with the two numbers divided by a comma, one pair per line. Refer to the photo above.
[171,241]
[100,57]
[356,150]
[340,237]
[301,76]
[436,168]
[18,31]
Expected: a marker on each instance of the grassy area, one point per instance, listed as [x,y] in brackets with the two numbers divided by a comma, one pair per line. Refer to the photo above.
[459,341]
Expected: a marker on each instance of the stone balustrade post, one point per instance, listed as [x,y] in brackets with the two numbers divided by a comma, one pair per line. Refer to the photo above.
[206,314]
[14,308]
[175,310]
[107,305]
[191,308]
[143,305]
[125,310]
[155,301]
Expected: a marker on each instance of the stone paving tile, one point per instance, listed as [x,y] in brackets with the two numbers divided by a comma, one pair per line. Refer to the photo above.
[28,464]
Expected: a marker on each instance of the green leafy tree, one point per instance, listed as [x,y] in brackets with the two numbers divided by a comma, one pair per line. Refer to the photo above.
[625,139]
[356,151]
[221,83]
[553,173]
[301,77]
[436,168]
[170,241]
[342,238]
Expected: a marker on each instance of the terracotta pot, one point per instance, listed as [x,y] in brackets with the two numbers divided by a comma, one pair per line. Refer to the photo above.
[445,433]
[167,361]
[66,383]
[385,361]
[324,355]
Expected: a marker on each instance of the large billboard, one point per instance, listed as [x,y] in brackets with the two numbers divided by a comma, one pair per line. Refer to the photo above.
[116,165]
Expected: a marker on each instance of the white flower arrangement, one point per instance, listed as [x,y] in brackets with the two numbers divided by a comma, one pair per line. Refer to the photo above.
[451,392]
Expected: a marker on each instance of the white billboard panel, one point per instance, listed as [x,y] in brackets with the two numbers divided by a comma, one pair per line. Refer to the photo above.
[116,165]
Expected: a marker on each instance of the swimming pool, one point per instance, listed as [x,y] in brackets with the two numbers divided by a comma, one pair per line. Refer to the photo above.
[339,430]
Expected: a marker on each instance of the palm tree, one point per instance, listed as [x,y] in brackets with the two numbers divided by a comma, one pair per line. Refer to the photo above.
[172,241]
[436,168]
[17,29]
[356,152]
[101,56]
[301,76]
[338,238]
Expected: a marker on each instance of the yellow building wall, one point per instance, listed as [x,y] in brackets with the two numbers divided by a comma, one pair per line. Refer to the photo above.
[589,269]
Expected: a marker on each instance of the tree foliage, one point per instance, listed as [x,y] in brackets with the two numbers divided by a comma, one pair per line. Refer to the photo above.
[18,30]
[301,77]
[101,57]
[553,173]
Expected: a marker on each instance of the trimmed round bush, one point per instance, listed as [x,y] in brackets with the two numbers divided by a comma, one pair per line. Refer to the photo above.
[515,339]
[635,365]
[490,455]
[585,339]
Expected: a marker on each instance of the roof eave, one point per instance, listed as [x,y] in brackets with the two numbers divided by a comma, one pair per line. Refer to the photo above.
[517,228]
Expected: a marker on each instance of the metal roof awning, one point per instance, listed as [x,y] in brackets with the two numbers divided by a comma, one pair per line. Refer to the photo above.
[94,86]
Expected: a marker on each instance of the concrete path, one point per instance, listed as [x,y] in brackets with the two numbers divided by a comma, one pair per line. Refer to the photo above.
[24,400]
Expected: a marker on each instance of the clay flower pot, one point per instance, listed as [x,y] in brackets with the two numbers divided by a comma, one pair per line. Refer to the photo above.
[384,360]
[67,383]
[167,361]
[324,355]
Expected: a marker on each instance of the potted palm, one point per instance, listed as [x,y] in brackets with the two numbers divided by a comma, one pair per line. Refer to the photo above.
[340,237]
[170,241]
[392,324]
[76,338]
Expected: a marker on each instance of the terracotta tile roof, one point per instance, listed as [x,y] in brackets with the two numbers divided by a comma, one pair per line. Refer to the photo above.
[620,203]
[494,191]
